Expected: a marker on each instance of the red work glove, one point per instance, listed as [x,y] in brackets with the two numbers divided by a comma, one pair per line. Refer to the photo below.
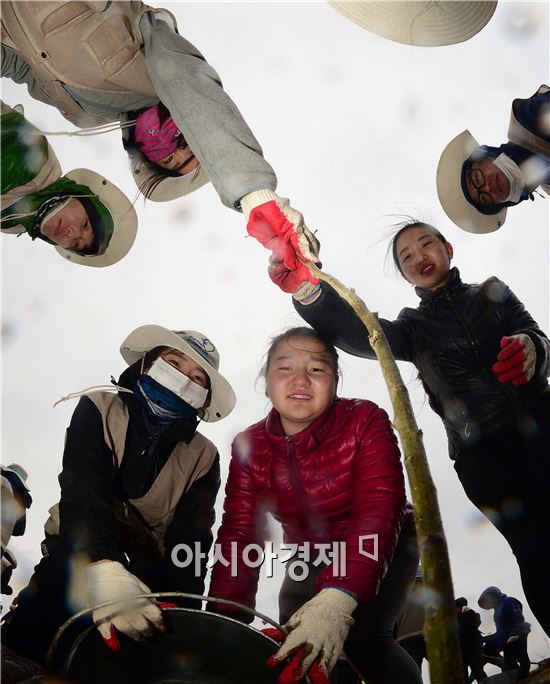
[302,290]
[292,674]
[281,229]
[516,361]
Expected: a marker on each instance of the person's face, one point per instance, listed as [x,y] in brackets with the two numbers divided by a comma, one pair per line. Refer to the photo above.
[423,258]
[70,227]
[187,366]
[181,160]
[300,382]
[486,183]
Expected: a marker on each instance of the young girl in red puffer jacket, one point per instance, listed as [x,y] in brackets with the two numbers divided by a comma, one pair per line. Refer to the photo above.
[329,471]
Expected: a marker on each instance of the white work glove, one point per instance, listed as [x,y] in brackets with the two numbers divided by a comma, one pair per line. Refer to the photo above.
[321,625]
[136,618]
[516,360]
[280,228]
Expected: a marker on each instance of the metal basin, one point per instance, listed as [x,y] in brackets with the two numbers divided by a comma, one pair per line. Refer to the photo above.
[199,648]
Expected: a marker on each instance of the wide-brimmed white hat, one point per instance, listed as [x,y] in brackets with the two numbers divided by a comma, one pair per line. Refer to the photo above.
[426,24]
[196,345]
[122,212]
[451,194]
[159,187]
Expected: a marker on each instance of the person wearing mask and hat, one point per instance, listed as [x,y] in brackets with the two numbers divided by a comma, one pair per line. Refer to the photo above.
[511,630]
[86,217]
[137,480]
[70,56]
[476,184]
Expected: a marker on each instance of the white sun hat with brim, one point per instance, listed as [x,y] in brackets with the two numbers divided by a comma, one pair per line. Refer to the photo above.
[159,187]
[123,215]
[425,24]
[197,346]
[451,194]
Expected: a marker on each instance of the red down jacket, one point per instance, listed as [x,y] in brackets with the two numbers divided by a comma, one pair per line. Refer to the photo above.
[338,479]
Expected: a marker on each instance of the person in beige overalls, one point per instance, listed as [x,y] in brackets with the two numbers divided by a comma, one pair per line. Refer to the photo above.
[99,62]
[138,481]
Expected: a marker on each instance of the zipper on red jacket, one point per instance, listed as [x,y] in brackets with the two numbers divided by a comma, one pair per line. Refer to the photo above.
[295,478]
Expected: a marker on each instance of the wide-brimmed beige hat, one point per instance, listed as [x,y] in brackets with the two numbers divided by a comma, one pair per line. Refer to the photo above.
[425,24]
[122,212]
[196,345]
[451,194]
[159,187]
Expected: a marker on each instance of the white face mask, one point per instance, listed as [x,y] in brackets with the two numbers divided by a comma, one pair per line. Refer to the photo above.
[178,383]
[513,173]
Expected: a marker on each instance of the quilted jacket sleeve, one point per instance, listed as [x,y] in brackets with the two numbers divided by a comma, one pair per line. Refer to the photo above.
[378,509]
[336,321]
[243,523]
[519,320]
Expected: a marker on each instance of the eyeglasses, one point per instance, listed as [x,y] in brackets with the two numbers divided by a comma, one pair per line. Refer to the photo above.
[477,179]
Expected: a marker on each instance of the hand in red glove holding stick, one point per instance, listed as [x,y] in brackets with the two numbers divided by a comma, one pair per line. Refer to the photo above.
[281,229]
[516,361]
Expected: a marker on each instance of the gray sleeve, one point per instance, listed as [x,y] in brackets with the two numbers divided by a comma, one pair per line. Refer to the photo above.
[209,120]
[15,67]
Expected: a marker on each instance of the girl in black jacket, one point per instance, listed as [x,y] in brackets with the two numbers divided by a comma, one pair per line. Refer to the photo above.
[484,363]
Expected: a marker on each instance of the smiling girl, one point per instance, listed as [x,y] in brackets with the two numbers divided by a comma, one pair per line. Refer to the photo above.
[329,470]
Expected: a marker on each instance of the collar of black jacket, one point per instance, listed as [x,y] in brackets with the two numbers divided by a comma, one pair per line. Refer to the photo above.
[183,430]
[455,284]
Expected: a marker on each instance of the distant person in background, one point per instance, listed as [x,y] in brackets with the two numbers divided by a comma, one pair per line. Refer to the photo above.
[477,183]
[511,633]
[471,640]
[84,216]
[409,630]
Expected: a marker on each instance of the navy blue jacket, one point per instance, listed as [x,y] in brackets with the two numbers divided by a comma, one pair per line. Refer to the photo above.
[509,620]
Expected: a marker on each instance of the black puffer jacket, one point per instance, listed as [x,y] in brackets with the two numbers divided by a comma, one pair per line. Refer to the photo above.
[453,339]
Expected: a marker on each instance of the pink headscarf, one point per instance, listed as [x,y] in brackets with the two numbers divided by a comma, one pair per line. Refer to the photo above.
[153,138]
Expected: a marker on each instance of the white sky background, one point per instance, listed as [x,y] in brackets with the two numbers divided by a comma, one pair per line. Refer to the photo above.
[353,125]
